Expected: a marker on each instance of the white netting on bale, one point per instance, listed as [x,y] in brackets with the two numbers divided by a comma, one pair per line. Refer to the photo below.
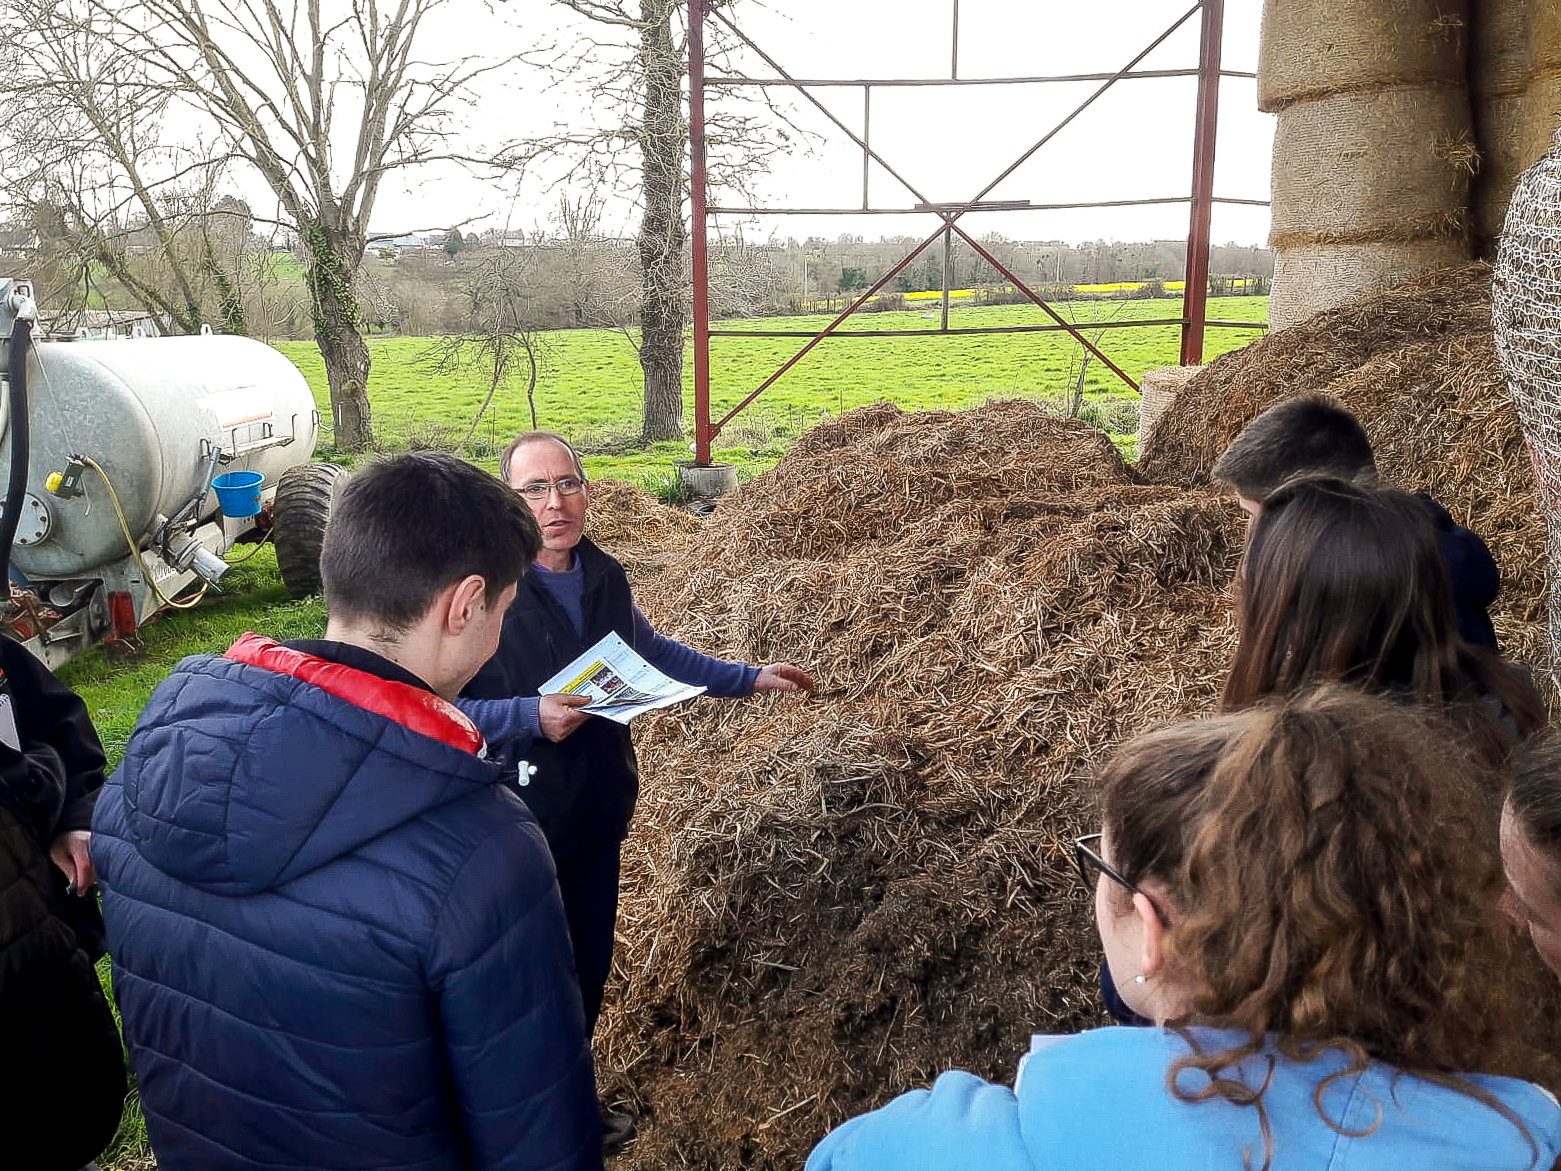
[1334,46]
[1526,310]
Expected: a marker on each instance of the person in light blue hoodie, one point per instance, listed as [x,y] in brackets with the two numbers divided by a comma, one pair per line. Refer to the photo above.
[1303,897]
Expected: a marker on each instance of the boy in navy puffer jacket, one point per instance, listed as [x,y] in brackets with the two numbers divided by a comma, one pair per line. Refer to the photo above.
[337,936]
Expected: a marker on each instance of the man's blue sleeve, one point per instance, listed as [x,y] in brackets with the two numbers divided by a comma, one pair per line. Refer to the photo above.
[511,724]
[720,677]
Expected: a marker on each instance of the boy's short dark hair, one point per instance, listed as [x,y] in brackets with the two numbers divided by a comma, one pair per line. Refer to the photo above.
[1300,438]
[525,439]
[407,527]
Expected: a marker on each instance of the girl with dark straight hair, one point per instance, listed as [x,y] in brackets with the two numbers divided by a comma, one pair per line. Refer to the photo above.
[1348,584]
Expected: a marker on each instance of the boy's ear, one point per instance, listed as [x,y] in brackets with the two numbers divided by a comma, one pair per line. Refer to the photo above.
[464,602]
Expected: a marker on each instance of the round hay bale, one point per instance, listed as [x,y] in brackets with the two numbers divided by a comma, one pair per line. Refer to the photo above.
[1311,278]
[1499,48]
[1544,41]
[1514,131]
[1157,389]
[1526,309]
[1338,46]
[1388,165]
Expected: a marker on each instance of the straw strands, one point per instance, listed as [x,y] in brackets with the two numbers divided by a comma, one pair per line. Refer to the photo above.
[829,901]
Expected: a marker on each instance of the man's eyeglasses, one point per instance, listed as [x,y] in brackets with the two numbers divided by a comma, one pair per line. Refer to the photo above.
[1088,859]
[542,489]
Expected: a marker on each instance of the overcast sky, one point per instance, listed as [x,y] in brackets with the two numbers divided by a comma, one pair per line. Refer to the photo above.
[1135,142]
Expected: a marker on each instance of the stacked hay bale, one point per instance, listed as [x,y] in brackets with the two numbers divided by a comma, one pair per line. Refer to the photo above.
[1373,148]
[1515,76]
[1418,365]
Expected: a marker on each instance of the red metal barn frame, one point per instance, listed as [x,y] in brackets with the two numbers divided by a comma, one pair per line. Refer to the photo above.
[1201,199]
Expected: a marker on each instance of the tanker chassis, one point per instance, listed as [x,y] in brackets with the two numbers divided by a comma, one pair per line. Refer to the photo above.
[124,439]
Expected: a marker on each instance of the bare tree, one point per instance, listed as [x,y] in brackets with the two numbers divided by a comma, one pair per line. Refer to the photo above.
[636,61]
[502,338]
[320,98]
[90,167]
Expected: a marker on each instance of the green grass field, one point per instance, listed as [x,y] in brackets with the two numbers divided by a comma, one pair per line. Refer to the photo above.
[589,389]
[590,380]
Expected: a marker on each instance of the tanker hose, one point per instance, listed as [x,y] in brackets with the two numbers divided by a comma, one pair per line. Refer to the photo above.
[135,550]
[16,486]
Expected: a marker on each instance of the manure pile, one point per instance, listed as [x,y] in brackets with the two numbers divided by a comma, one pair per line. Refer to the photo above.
[1417,364]
[636,530]
[830,901]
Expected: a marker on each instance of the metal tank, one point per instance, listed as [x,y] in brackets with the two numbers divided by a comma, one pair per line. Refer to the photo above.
[160,416]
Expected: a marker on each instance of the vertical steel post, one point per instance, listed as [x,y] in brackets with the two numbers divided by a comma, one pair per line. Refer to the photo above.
[948,246]
[703,434]
[1195,294]
[867,137]
[954,51]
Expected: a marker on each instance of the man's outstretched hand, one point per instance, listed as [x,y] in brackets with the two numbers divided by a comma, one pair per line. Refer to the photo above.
[783,677]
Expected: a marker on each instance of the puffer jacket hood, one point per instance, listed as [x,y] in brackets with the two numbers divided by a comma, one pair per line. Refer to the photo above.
[206,804]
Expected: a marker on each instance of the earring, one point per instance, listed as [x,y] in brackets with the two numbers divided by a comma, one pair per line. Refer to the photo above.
[1140,979]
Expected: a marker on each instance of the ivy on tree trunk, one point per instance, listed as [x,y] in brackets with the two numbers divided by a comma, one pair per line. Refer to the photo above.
[663,143]
[338,328]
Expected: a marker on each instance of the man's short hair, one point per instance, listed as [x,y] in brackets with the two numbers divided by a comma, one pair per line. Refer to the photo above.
[1300,438]
[525,438]
[406,528]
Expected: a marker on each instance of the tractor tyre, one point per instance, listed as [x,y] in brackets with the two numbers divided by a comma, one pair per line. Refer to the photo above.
[305,496]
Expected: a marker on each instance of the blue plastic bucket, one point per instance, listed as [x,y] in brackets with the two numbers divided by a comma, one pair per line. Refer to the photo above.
[238,493]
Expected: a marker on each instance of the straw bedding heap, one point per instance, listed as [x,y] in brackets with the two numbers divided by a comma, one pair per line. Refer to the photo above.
[831,900]
[640,532]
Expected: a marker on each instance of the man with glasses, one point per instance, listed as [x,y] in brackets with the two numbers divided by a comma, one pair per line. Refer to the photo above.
[586,780]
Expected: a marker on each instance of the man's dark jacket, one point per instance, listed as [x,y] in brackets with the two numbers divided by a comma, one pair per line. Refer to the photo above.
[337,937]
[62,1082]
[584,788]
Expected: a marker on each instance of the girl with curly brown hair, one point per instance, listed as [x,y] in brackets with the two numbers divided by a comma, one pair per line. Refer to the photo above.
[1301,896]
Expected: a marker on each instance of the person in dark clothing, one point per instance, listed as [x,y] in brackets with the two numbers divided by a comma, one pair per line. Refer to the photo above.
[1312,436]
[62,1082]
[336,931]
[586,779]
